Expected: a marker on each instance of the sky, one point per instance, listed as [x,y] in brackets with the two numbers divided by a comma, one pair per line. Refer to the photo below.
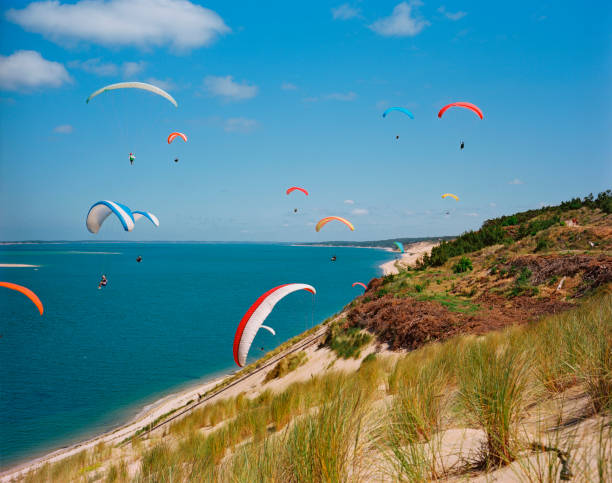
[277,94]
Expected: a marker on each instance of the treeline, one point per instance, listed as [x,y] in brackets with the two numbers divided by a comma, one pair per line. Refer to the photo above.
[493,232]
[378,243]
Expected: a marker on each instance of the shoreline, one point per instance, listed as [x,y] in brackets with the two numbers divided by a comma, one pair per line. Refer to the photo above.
[147,414]
[412,253]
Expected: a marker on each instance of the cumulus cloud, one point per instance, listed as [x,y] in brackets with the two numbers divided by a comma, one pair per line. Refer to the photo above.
[341,96]
[180,24]
[107,69]
[26,69]
[63,129]
[288,86]
[515,181]
[240,124]
[227,88]
[450,15]
[349,202]
[345,12]
[360,211]
[404,21]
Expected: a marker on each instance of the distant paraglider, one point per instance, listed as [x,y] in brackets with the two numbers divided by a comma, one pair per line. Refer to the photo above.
[333,258]
[365,287]
[296,188]
[269,329]
[139,259]
[326,220]
[132,158]
[25,291]
[462,145]
[400,109]
[466,105]
[175,135]
[445,195]
[134,85]
[253,319]
[400,246]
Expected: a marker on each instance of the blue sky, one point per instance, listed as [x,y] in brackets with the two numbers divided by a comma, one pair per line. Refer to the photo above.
[275,94]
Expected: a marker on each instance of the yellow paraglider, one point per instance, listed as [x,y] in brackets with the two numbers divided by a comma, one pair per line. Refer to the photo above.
[451,195]
[327,219]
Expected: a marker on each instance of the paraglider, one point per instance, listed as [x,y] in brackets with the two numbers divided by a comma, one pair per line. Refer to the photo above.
[174,135]
[132,158]
[295,210]
[400,109]
[139,259]
[296,188]
[327,219]
[400,246]
[333,258]
[103,282]
[462,145]
[365,287]
[134,85]
[258,312]
[25,291]
[100,210]
[269,329]
[451,195]
[137,215]
[466,105]
[176,160]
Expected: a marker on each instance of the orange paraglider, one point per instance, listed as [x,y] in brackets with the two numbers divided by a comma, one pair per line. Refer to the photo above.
[27,292]
[327,219]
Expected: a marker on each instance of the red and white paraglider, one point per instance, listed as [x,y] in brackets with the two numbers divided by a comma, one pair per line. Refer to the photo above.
[256,315]
[365,287]
[465,105]
[296,188]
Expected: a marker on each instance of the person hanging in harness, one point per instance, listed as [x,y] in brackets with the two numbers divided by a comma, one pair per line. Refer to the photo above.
[103,282]
[462,145]
[132,158]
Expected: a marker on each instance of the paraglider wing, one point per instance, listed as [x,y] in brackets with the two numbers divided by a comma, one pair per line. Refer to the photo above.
[400,109]
[327,219]
[400,246]
[27,292]
[176,135]
[466,105]
[139,214]
[451,195]
[269,329]
[294,188]
[365,287]
[100,211]
[134,85]
[257,313]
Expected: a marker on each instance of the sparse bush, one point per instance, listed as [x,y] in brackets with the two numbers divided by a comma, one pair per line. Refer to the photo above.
[463,265]
[286,365]
[541,245]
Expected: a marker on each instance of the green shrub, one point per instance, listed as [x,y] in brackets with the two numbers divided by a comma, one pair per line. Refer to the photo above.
[463,265]
[286,365]
[346,342]
[542,244]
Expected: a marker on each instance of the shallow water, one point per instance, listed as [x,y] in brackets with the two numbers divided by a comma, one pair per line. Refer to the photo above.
[96,357]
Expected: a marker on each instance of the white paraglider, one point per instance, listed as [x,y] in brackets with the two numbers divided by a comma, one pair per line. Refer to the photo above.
[101,210]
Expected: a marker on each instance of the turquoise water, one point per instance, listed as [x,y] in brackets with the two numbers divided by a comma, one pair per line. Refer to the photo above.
[98,356]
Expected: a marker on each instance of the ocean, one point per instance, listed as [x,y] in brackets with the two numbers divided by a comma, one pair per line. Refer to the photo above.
[97,357]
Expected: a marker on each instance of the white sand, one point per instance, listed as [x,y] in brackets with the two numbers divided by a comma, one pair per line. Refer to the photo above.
[17,265]
[412,253]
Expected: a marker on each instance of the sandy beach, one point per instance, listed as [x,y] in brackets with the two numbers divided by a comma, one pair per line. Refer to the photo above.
[413,253]
[17,265]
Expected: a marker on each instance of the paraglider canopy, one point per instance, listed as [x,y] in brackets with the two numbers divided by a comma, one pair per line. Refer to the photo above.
[101,210]
[134,85]
[258,312]
[326,220]
[451,195]
[145,214]
[365,287]
[400,246]
[27,292]
[297,188]
[400,109]
[466,105]
[175,135]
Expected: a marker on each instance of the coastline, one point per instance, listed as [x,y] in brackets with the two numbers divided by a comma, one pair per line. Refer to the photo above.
[149,413]
[409,258]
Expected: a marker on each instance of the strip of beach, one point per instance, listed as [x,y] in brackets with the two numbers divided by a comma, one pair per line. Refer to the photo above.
[174,403]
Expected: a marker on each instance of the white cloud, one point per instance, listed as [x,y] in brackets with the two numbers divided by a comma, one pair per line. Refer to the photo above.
[401,22]
[349,202]
[165,84]
[63,129]
[515,181]
[450,15]
[107,69]
[226,87]
[360,211]
[492,205]
[26,69]
[240,124]
[345,12]
[288,86]
[143,23]
[341,96]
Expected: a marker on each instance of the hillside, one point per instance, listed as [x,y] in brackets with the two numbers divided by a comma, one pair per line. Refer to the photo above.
[390,243]
[490,360]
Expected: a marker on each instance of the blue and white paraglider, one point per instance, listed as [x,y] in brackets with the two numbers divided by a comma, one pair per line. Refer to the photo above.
[400,109]
[101,210]
[145,214]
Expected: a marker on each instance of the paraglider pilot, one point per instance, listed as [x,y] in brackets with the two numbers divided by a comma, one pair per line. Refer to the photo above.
[103,282]
[132,157]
